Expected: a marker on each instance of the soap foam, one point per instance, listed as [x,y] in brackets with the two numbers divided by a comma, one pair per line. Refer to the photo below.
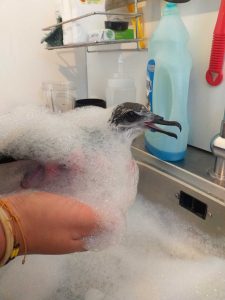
[83,158]
[160,257]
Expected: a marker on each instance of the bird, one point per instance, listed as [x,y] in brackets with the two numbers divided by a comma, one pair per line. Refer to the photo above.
[137,117]
[125,122]
[84,154]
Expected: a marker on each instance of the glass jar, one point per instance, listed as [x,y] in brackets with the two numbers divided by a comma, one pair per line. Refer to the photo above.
[59,96]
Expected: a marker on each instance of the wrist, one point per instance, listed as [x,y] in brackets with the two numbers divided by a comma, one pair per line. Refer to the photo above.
[17,226]
[2,242]
[10,233]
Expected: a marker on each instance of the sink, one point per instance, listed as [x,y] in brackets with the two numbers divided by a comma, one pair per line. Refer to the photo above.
[184,187]
[155,260]
[164,189]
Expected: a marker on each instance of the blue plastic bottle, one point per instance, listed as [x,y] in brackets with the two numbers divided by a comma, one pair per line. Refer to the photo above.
[168,74]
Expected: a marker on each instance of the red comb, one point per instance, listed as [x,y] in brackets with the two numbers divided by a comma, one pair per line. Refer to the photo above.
[214,75]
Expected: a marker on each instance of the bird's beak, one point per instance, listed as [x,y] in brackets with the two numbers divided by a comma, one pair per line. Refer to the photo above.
[151,120]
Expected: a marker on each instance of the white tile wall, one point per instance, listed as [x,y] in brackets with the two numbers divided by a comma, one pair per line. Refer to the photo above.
[24,63]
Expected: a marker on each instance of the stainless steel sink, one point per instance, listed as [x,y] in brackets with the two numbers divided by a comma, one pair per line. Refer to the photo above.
[186,188]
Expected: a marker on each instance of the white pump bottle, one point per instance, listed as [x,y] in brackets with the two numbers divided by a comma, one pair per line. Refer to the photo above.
[120,88]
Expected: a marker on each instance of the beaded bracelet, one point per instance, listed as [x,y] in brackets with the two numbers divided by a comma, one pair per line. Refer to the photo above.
[7,227]
[7,218]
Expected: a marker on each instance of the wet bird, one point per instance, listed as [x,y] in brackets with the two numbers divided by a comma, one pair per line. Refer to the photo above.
[125,121]
[136,116]
[84,154]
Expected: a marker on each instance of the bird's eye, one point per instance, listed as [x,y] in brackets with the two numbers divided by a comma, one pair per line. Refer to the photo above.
[131,117]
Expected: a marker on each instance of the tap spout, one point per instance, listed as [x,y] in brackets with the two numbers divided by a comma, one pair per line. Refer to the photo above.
[218,149]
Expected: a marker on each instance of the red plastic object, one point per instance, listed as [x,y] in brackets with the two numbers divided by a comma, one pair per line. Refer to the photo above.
[214,75]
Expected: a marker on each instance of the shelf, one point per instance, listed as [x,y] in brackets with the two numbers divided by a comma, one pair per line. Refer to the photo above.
[104,43]
[127,15]
[90,45]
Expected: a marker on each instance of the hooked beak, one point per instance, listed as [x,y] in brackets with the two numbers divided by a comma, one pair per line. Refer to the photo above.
[155,119]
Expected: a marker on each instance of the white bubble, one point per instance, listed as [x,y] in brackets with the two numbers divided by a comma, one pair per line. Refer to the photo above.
[80,155]
[160,257]
[154,254]
[94,294]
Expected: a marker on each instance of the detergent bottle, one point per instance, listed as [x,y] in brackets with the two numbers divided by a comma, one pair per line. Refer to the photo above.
[168,73]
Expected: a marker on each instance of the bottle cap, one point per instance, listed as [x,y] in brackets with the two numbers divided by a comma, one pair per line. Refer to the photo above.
[170,9]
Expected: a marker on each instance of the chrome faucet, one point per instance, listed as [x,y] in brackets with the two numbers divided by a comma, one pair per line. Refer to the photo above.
[218,149]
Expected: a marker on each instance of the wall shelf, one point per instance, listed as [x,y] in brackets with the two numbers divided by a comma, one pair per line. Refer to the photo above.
[105,43]
[94,13]
[91,46]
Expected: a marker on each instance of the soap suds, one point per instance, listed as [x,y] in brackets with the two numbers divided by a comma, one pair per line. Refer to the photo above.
[154,254]
[158,258]
[80,155]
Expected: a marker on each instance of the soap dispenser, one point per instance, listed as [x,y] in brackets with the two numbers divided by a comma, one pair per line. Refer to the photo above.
[121,87]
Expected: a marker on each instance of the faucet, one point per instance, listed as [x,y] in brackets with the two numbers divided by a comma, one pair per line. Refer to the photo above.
[218,149]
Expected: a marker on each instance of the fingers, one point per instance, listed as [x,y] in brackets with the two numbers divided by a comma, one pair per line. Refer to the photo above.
[86,222]
[54,224]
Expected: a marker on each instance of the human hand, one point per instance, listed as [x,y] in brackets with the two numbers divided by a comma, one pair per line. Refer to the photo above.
[52,224]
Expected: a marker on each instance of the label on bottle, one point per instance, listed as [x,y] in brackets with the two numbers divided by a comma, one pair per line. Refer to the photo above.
[150,81]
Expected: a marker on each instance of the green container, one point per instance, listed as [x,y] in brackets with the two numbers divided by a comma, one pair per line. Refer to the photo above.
[127,34]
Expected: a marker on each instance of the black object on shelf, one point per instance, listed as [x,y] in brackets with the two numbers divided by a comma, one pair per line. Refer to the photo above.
[90,102]
[55,37]
[116,25]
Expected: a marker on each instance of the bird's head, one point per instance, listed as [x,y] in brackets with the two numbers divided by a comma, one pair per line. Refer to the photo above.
[136,117]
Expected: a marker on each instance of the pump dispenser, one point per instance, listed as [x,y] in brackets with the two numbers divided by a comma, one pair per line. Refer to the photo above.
[168,74]
[120,66]
[121,87]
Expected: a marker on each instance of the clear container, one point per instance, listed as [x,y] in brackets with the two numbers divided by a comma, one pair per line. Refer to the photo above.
[120,90]
[59,96]
[121,87]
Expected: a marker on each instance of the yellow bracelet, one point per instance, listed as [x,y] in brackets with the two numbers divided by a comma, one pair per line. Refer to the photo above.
[6,224]
[12,219]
